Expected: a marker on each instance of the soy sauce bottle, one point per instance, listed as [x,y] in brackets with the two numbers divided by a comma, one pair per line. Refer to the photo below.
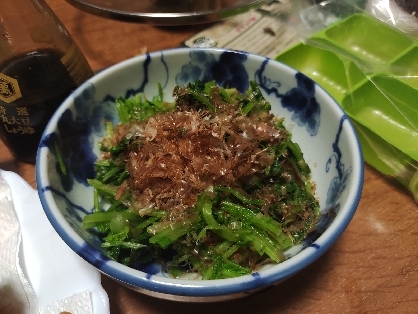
[40,65]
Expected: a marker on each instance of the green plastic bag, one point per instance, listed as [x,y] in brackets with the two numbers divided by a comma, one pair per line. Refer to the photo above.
[371,69]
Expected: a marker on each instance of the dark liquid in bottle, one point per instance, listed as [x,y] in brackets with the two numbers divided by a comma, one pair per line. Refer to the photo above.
[44,84]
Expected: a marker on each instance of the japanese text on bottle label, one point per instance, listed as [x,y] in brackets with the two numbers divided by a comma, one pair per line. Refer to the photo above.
[17,123]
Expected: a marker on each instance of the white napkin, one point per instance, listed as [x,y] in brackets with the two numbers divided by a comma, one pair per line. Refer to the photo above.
[16,294]
[57,280]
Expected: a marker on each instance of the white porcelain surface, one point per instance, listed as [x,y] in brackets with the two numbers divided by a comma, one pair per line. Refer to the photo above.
[318,124]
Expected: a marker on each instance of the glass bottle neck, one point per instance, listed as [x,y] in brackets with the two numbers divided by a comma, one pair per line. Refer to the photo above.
[28,25]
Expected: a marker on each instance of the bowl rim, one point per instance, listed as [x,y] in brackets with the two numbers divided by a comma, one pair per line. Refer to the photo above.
[202,288]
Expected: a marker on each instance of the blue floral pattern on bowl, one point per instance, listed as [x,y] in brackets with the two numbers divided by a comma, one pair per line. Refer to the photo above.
[326,137]
[227,71]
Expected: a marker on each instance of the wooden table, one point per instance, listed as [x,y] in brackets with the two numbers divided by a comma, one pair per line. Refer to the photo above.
[372,268]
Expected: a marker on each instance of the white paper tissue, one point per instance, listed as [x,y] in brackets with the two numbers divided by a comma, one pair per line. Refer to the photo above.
[57,280]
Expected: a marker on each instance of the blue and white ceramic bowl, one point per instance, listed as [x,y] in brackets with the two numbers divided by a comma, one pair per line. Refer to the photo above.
[318,124]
